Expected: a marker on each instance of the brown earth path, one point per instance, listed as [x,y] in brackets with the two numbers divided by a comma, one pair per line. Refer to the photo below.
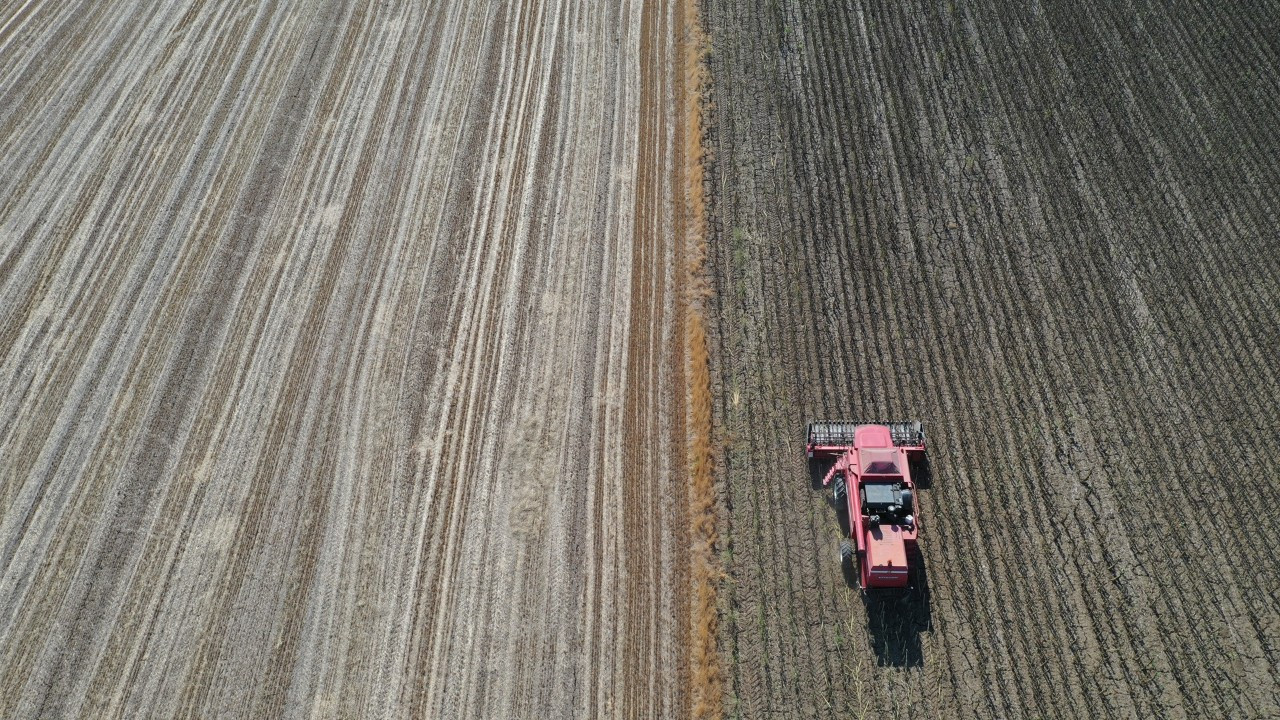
[340,360]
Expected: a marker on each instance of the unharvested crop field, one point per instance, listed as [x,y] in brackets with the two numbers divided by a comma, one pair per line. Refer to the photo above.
[341,360]
[1049,230]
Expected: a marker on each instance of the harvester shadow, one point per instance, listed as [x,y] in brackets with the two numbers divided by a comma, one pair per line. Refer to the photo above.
[922,473]
[896,621]
[817,471]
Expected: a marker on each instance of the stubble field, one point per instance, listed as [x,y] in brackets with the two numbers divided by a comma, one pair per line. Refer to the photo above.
[341,361]
[1048,230]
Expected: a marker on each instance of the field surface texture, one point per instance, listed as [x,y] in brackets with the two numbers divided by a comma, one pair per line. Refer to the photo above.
[340,360]
[1048,230]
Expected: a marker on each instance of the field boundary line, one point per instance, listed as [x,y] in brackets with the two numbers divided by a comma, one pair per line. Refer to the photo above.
[705,674]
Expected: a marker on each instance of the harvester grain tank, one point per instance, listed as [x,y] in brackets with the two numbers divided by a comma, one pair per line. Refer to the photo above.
[873,487]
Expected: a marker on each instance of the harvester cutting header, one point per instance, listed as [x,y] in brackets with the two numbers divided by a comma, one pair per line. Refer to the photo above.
[874,491]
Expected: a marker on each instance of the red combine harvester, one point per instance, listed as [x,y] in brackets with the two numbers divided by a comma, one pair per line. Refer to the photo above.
[872,482]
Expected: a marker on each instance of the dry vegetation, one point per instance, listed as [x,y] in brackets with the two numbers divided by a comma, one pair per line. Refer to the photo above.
[706,666]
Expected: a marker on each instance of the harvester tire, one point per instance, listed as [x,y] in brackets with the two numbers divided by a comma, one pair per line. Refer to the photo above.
[839,496]
[848,563]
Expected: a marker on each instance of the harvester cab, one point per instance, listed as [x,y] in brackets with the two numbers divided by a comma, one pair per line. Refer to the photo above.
[873,487]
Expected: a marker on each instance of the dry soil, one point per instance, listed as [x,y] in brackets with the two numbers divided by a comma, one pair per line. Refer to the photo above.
[1048,230]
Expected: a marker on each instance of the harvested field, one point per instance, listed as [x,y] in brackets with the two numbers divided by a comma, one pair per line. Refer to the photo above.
[1049,231]
[343,372]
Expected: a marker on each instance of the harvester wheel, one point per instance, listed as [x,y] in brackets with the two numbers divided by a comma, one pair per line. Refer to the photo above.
[848,563]
[840,494]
